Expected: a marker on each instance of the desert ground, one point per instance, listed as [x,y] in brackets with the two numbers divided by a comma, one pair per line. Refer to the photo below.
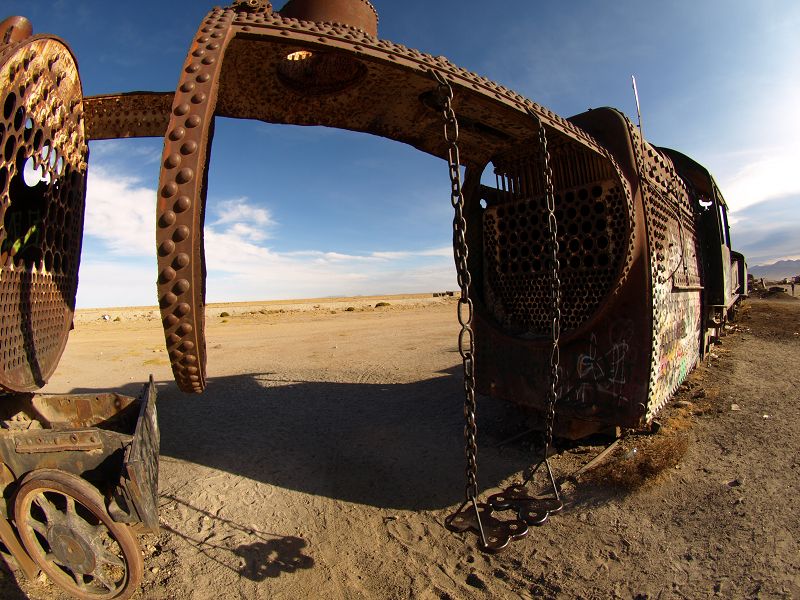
[327,452]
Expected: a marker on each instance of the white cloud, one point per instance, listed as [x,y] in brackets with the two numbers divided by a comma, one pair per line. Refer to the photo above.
[120,212]
[120,218]
[116,283]
[771,175]
[763,166]
[240,210]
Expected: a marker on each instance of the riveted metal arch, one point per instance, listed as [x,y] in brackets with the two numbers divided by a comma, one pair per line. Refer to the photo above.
[181,201]
[43,155]
[382,88]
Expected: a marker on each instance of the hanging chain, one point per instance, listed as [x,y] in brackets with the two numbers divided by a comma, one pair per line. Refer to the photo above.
[535,509]
[555,287]
[494,534]
[466,340]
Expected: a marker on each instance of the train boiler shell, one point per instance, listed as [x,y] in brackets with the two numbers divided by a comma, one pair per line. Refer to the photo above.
[630,277]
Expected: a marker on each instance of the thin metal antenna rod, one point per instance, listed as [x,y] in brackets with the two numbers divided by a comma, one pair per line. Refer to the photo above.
[638,111]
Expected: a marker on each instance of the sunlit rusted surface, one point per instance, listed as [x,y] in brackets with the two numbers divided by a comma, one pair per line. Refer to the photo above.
[42,188]
[14,30]
[360,14]
[137,114]
[251,62]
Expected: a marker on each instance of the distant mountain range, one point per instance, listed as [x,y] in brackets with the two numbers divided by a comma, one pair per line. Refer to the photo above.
[778,270]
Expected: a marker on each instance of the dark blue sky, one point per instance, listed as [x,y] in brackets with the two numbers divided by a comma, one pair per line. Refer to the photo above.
[314,212]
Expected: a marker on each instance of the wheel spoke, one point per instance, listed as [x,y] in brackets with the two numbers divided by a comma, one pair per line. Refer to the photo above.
[37,526]
[78,577]
[100,576]
[100,531]
[50,557]
[111,559]
[71,507]
[46,506]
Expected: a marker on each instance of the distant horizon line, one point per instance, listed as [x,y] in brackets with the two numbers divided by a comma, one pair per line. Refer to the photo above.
[279,300]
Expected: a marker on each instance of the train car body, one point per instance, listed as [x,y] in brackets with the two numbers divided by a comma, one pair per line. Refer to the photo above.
[647,277]
[724,270]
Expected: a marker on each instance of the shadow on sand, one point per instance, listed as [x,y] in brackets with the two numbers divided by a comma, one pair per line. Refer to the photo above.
[395,446]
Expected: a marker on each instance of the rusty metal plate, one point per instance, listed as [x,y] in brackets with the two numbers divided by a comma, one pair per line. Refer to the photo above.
[141,460]
[57,441]
[42,192]
[137,114]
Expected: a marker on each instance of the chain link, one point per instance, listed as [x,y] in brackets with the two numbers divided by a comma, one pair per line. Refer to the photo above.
[555,286]
[466,337]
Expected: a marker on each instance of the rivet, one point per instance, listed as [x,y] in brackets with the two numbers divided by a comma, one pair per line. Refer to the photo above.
[199,52]
[190,358]
[167,219]
[168,299]
[182,286]
[213,46]
[181,261]
[202,77]
[202,39]
[192,370]
[186,346]
[182,203]
[181,109]
[174,339]
[167,275]
[171,321]
[169,190]
[175,355]
[181,233]
[167,248]
[185,329]
[198,98]
[177,133]
[208,60]
[193,68]
[189,147]
[194,378]
[193,121]
[184,175]
[172,161]
[187,86]
[182,309]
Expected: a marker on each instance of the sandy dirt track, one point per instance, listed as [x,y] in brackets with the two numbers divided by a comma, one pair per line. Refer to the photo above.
[327,451]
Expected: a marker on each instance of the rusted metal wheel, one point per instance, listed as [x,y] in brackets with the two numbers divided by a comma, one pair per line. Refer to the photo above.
[66,529]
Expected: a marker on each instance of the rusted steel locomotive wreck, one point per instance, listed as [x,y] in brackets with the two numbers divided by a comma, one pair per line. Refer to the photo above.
[594,332]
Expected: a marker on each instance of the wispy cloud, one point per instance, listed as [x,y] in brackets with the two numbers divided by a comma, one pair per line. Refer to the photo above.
[129,151]
[769,231]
